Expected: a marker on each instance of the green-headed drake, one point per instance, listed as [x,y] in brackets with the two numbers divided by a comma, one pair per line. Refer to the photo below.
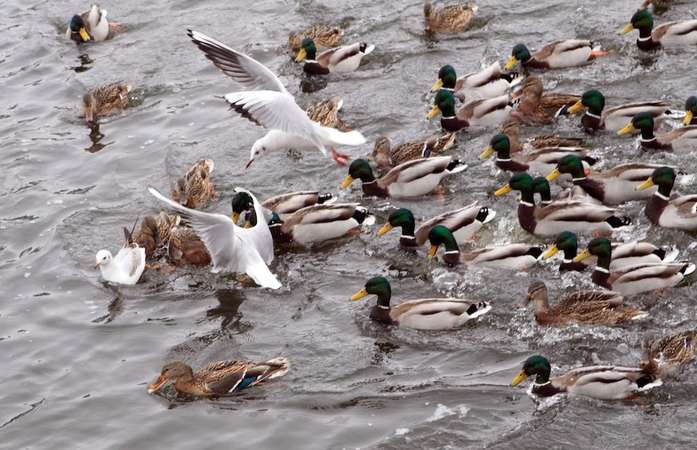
[578,217]
[484,112]
[632,279]
[681,140]
[423,314]
[319,223]
[615,118]
[489,82]
[463,223]
[340,59]
[683,32]
[556,55]
[681,212]
[387,157]
[603,382]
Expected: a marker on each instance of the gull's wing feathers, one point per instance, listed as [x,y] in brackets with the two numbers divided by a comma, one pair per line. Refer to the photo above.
[244,70]
[255,267]
[276,111]
[258,237]
[215,230]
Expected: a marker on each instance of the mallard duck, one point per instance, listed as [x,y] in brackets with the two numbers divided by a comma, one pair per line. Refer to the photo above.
[339,59]
[195,189]
[556,55]
[682,32]
[680,140]
[690,111]
[233,249]
[614,118]
[165,223]
[603,382]
[319,223]
[538,107]
[512,256]
[617,185]
[592,307]
[269,104]
[579,217]
[462,223]
[542,161]
[322,35]
[486,112]
[623,255]
[681,212]
[486,83]
[423,314]
[104,100]
[511,128]
[387,157]
[220,377]
[541,186]
[286,204]
[326,114]
[667,353]
[449,19]
[633,279]
[91,25]
[148,236]
[411,179]
[127,266]
[185,247]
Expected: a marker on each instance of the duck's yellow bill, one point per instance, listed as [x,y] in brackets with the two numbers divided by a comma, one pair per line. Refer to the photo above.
[157,385]
[645,185]
[688,118]
[235,217]
[486,153]
[349,179]
[89,114]
[576,106]
[627,29]
[432,253]
[519,379]
[555,173]
[435,110]
[387,227]
[84,35]
[551,252]
[585,254]
[504,190]
[362,293]
[301,55]
[438,85]
[511,62]
[628,129]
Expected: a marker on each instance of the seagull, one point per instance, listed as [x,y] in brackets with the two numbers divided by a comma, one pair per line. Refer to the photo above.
[267,103]
[232,248]
[126,267]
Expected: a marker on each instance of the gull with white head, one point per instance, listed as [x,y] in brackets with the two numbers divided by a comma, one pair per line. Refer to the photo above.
[128,264]
[267,103]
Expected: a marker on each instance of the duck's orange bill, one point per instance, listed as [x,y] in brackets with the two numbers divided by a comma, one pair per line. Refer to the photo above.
[521,376]
[387,227]
[504,190]
[158,385]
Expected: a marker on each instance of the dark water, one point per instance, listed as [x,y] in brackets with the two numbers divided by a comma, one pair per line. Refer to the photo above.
[79,353]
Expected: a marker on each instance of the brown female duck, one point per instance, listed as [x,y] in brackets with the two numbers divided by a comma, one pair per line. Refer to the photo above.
[512,129]
[324,37]
[449,19]
[326,113]
[221,377]
[539,107]
[104,100]
[592,307]
[195,189]
[387,157]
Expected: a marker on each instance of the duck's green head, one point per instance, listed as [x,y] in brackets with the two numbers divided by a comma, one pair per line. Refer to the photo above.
[376,286]
[358,170]
[540,185]
[565,241]
[275,220]
[77,25]
[641,121]
[690,109]
[534,365]
[519,182]
[499,144]
[599,247]
[399,218]
[446,78]
[593,100]
[642,20]
[441,235]
[663,177]
[241,202]
[444,103]
[307,50]
[570,164]
[519,53]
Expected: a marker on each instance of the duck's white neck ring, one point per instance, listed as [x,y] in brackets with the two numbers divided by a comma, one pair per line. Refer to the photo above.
[661,196]
[526,203]
[602,269]
[588,113]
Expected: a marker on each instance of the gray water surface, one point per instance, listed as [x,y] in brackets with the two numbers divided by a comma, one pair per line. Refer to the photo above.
[79,353]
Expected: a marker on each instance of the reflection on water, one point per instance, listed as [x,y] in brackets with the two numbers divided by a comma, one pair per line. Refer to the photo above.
[96,137]
[85,63]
